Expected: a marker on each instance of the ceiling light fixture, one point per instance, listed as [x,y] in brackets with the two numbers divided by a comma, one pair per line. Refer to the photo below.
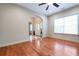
[49,3]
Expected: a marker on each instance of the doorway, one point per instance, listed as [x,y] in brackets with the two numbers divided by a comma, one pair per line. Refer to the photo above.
[36,27]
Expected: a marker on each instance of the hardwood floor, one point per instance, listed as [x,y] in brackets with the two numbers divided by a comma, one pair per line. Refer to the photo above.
[44,47]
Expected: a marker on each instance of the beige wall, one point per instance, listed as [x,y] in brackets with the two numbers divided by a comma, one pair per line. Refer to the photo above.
[14,21]
[51,19]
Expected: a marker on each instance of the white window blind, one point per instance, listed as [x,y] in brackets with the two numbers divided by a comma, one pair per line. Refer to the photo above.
[67,25]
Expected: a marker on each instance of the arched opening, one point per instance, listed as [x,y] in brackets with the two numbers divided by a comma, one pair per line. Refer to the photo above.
[36,26]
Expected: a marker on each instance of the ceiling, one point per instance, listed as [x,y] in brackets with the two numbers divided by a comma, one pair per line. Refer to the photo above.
[52,9]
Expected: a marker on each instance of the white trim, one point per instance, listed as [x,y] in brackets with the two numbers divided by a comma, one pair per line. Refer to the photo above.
[66,39]
[12,43]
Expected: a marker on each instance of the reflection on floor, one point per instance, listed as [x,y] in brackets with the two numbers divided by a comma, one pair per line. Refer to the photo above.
[44,47]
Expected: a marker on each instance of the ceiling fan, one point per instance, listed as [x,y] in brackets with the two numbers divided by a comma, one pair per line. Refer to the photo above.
[54,4]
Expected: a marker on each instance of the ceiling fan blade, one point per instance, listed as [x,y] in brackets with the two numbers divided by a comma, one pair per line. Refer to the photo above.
[42,4]
[55,4]
[47,7]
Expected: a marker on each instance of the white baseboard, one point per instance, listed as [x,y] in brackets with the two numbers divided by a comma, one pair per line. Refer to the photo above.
[66,39]
[12,43]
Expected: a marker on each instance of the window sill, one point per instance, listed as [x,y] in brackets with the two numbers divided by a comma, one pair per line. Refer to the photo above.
[67,34]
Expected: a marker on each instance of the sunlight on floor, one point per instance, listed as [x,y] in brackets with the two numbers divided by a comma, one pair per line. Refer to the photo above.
[61,49]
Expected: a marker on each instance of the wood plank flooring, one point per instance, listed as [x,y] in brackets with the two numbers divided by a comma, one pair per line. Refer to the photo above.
[44,47]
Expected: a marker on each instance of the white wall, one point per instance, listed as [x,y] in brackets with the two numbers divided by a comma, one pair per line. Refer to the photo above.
[45,26]
[14,24]
[51,19]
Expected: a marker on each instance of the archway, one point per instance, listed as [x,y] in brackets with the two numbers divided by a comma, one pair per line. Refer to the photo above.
[36,25]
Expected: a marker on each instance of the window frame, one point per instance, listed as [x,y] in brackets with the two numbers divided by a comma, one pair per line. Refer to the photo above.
[68,33]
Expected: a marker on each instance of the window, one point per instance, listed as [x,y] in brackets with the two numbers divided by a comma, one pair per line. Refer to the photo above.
[30,27]
[68,25]
[38,26]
